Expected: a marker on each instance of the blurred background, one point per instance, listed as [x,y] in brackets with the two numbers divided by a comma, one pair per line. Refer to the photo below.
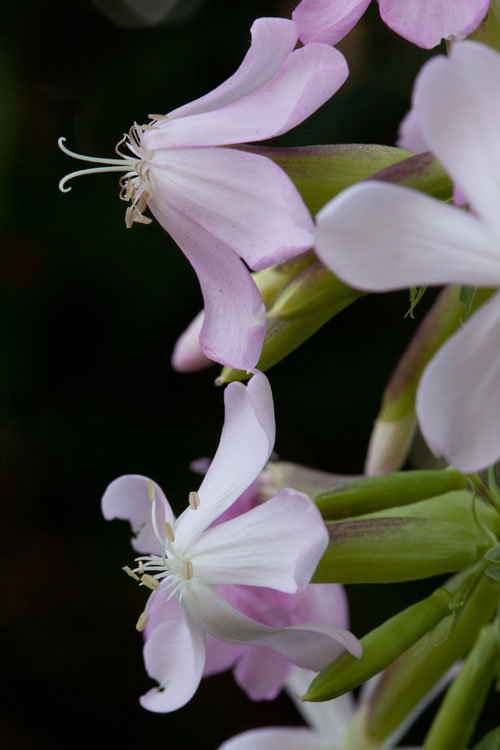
[90,313]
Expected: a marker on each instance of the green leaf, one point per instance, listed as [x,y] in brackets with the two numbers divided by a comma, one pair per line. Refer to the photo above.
[467,294]
[415,297]
[493,554]
[490,741]
[493,573]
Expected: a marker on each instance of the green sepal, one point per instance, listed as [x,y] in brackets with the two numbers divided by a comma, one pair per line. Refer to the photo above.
[455,721]
[406,682]
[493,555]
[390,550]
[384,644]
[490,741]
[273,280]
[489,30]
[493,573]
[372,494]
[321,172]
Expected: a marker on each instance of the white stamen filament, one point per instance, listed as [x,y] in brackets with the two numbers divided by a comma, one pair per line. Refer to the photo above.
[194,500]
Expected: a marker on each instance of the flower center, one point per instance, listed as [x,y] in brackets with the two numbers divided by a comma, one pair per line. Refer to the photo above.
[135,185]
[170,569]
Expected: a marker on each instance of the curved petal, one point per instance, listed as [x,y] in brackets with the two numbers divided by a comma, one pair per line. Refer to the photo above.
[379,236]
[277,545]
[187,355]
[246,443]
[322,602]
[174,656]
[458,399]
[306,80]
[128,498]
[234,326]
[277,738]
[327,21]
[460,122]
[310,645]
[261,673]
[221,656]
[272,41]
[242,199]
[410,135]
[426,22]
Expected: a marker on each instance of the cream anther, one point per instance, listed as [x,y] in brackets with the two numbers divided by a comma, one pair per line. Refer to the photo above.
[194,500]
[187,569]
[151,490]
[131,573]
[150,582]
[141,567]
[169,531]
[142,621]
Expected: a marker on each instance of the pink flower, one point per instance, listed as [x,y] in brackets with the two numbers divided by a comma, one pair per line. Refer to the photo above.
[408,239]
[423,22]
[194,568]
[223,206]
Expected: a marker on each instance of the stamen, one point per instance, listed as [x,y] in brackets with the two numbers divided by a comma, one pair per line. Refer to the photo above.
[150,582]
[131,573]
[141,567]
[158,117]
[194,500]
[96,170]
[151,490]
[187,569]
[96,159]
[142,621]
[169,531]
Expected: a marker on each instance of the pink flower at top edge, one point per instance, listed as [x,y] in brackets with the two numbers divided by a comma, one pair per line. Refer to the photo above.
[221,205]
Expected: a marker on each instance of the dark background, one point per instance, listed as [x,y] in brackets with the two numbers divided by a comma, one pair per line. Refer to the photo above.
[90,313]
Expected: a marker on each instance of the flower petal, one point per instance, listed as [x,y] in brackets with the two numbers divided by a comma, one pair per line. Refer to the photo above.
[221,656]
[234,326]
[174,655]
[261,673]
[426,22]
[327,21]
[187,355]
[128,498]
[246,443]
[277,544]
[460,121]
[458,399]
[277,738]
[379,236]
[272,41]
[312,646]
[410,135]
[306,80]
[242,199]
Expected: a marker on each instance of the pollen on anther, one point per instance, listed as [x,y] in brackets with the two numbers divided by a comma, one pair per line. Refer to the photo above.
[151,490]
[194,500]
[142,621]
[141,567]
[130,573]
[169,531]
[188,570]
[150,582]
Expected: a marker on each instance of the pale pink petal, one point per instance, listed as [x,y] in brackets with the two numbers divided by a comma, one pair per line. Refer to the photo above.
[277,544]
[245,445]
[221,656]
[234,326]
[242,199]
[410,135]
[187,355]
[458,109]
[272,41]
[305,81]
[174,655]
[329,718]
[277,738]
[327,21]
[426,22]
[127,498]
[322,602]
[247,500]
[310,645]
[261,673]
[379,236]
[458,399]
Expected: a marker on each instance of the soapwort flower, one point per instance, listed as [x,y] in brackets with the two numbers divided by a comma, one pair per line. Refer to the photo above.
[275,545]
[223,206]
[409,239]
[423,22]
